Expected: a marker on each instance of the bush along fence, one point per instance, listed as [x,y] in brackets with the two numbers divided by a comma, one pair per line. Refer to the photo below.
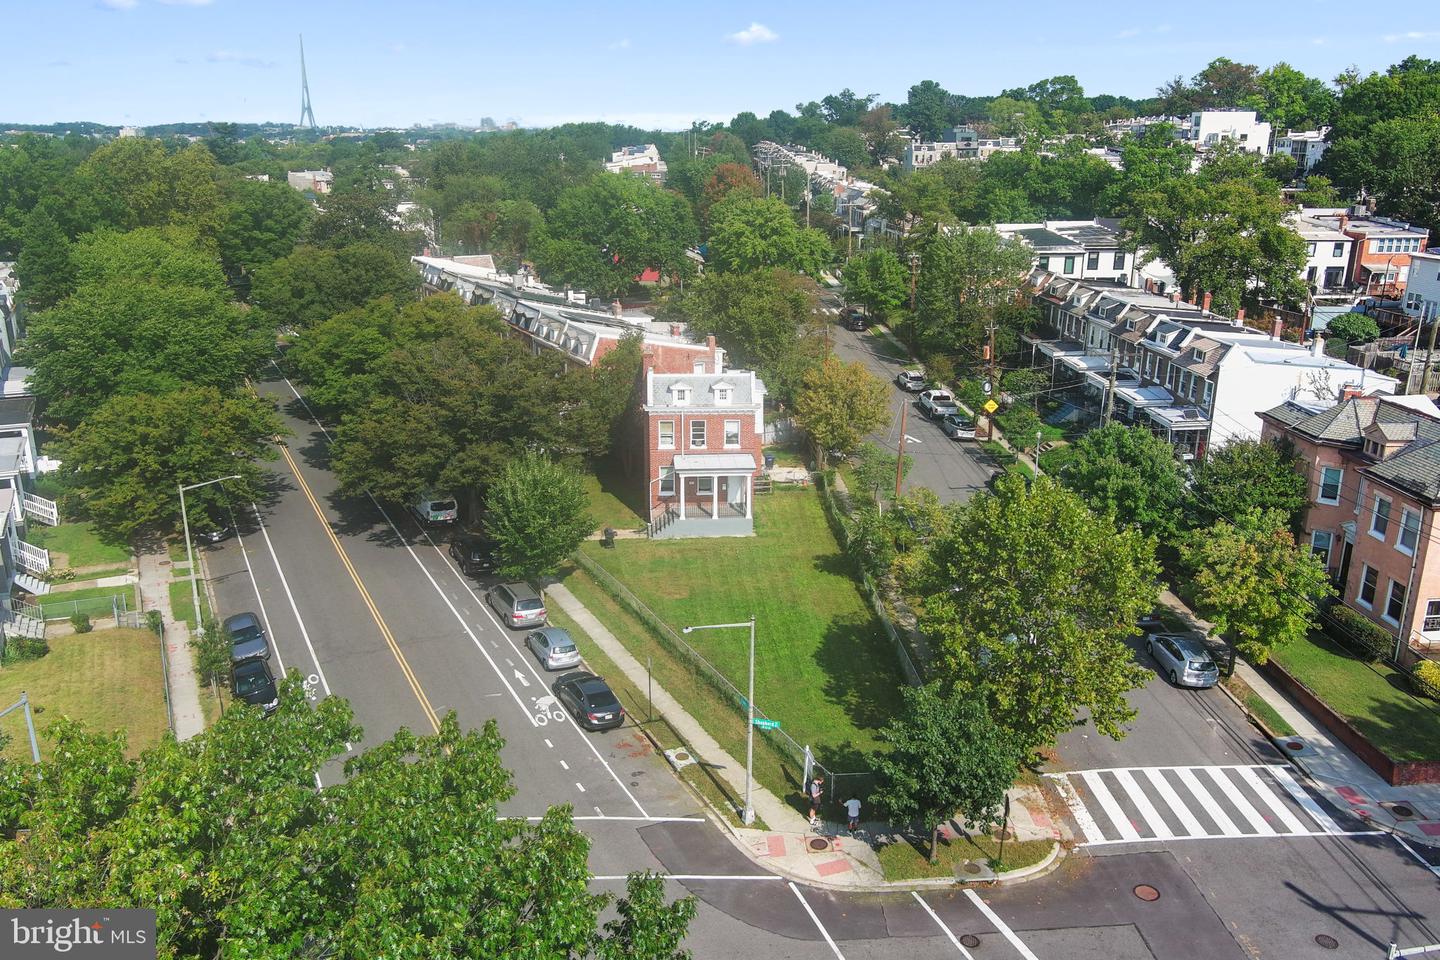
[838,516]
[687,656]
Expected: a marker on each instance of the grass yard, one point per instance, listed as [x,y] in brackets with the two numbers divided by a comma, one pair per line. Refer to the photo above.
[79,544]
[904,860]
[1376,699]
[110,679]
[612,501]
[181,604]
[824,667]
[93,601]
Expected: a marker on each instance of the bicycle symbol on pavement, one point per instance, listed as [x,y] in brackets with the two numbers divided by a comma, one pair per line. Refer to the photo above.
[311,682]
[547,708]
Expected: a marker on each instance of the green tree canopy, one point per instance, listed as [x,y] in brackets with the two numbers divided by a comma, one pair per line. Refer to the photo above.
[966,276]
[314,283]
[944,756]
[260,222]
[360,216]
[877,280]
[1129,474]
[226,837]
[538,515]
[125,459]
[750,233]
[1259,588]
[1249,475]
[1353,328]
[1030,597]
[839,402]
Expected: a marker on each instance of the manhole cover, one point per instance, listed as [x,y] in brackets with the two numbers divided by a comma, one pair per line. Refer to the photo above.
[1327,941]
[164,563]
[971,866]
[1401,810]
[969,940]
[1147,893]
[819,843]
[1294,745]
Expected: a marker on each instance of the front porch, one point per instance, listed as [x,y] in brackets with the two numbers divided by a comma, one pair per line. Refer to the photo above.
[705,495]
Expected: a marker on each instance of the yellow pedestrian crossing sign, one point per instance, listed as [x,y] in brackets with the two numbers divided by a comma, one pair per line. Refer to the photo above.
[990,406]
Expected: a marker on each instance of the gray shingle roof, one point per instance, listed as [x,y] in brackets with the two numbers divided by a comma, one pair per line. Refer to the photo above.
[1415,467]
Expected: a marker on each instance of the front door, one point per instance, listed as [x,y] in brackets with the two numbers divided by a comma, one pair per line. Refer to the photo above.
[1344,572]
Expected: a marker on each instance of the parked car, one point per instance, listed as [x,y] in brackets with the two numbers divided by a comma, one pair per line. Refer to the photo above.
[958,427]
[1183,659]
[553,647]
[854,319]
[1150,622]
[910,380]
[434,509]
[247,638]
[589,700]
[937,404]
[214,534]
[518,604]
[251,682]
[473,553]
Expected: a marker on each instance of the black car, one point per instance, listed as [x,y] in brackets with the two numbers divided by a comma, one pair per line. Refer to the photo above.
[855,319]
[589,700]
[474,554]
[251,682]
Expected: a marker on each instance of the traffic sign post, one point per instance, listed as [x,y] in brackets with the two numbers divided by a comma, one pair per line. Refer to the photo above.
[764,724]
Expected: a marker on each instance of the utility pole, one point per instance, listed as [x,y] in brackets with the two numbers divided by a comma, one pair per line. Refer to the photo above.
[914,273]
[990,376]
[900,450]
[1110,391]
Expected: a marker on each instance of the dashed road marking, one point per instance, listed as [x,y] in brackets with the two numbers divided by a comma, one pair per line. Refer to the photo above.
[549,744]
[564,765]
[1005,931]
[580,786]
[816,920]
[941,924]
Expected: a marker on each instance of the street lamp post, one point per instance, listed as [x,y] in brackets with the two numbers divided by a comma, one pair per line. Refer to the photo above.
[190,551]
[747,815]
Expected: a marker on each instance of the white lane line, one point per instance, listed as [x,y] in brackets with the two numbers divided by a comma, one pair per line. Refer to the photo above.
[631,819]
[1005,931]
[815,920]
[1197,766]
[509,661]
[705,876]
[1087,824]
[1208,803]
[1411,850]
[484,607]
[1227,787]
[941,924]
[1112,809]
[1142,803]
[1292,822]
[580,786]
[1193,827]
[564,765]
[1307,802]
[549,744]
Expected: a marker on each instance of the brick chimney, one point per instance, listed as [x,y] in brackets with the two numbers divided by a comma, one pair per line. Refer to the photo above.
[616,310]
[1205,303]
[1343,222]
[1240,316]
[1277,327]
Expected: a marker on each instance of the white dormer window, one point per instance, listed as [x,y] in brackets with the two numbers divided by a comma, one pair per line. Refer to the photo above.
[1197,354]
[722,394]
[680,393]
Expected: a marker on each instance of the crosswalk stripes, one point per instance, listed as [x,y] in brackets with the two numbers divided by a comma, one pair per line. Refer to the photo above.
[1138,804]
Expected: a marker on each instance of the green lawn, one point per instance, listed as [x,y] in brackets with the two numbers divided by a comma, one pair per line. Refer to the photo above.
[904,860]
[1375,699]
[824,667]
[181,605]
[110,679]
[613,502]
[94,601]
[79,544]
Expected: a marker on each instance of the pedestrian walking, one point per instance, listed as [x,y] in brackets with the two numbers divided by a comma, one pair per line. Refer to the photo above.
[816,792]
[852,812]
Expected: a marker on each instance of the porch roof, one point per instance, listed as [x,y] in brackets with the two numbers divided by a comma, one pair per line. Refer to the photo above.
[714,463]
[1085,363]
[1180,418]
[1145,396]
[1061,348]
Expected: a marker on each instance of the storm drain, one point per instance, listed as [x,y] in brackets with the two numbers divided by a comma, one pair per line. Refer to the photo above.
[969,940]
[1327,941]
[819,844]
[1147,893]
[1401,810]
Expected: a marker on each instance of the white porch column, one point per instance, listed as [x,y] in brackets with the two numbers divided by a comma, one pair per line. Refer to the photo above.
[749,493]
[714,496]
[680,481]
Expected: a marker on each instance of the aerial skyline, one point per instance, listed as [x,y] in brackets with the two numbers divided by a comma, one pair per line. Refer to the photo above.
[375,64]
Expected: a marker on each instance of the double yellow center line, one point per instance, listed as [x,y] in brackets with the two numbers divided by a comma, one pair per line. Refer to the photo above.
[364,594]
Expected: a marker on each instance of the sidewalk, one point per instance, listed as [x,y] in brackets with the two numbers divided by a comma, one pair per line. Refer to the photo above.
[824,854]
[188,719]
[1343,778]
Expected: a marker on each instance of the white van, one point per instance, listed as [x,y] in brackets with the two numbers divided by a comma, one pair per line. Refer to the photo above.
[435,509]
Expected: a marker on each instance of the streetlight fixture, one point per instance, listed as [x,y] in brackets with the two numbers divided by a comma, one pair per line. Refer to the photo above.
[190,551]
[747,815]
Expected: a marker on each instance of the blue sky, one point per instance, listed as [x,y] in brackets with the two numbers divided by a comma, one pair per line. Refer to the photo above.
[653,64]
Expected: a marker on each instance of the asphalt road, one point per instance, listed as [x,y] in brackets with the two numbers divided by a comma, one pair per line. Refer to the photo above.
[367,606]
[954,469]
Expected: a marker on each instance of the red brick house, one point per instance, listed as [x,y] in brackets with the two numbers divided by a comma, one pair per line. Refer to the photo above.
[703,433]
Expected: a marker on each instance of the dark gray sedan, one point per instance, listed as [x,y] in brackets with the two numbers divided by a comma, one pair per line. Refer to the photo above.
[247,638]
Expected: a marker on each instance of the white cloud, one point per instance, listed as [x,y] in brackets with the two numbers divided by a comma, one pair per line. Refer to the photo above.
[187,3]
[755,33]
[1127,34]
[119,4]
[1411,35]
[622,44]
[1319,41]
[1130,33]
[244,59]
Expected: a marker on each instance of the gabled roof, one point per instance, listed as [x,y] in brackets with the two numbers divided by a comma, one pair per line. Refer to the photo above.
[745,387]
[1414,468]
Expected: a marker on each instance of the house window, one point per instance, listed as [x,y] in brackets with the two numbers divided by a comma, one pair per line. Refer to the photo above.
[1149,366]
[1209,392]
[1432,616]
[1119,259]
[682,394]
[1320,541]
[732,433]
[1339,250]
[1330,478]
[1310,249]
[697,434]
[1409,532]
[722,394]
[699,366]
[1380,518]
[1369,580]
[1043,263]
[667,481]
[705,486]
[667,434]
[1395,602]
[1092,260]
[1069,264]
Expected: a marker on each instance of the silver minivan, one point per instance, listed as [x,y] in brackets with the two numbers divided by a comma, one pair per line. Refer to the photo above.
[518,604]
[1183,659]
[553,647]
[435,509]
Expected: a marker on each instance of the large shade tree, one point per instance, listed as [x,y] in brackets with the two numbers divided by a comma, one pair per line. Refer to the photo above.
[752,233]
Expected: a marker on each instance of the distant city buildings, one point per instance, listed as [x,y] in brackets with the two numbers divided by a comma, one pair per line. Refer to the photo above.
[318,182]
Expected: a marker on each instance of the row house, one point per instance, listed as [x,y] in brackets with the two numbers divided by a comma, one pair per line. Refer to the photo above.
[1422,287]
[1191,376]
[1209,128]
[1079,249]
[1306,147]
[704,439]
[1328,252]
[1381,248]
[1373,466]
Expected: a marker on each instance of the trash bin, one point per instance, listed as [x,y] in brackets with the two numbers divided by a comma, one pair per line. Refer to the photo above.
[769,461]
[609,535]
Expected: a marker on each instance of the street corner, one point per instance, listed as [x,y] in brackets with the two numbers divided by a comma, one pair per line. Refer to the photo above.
[829,856]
